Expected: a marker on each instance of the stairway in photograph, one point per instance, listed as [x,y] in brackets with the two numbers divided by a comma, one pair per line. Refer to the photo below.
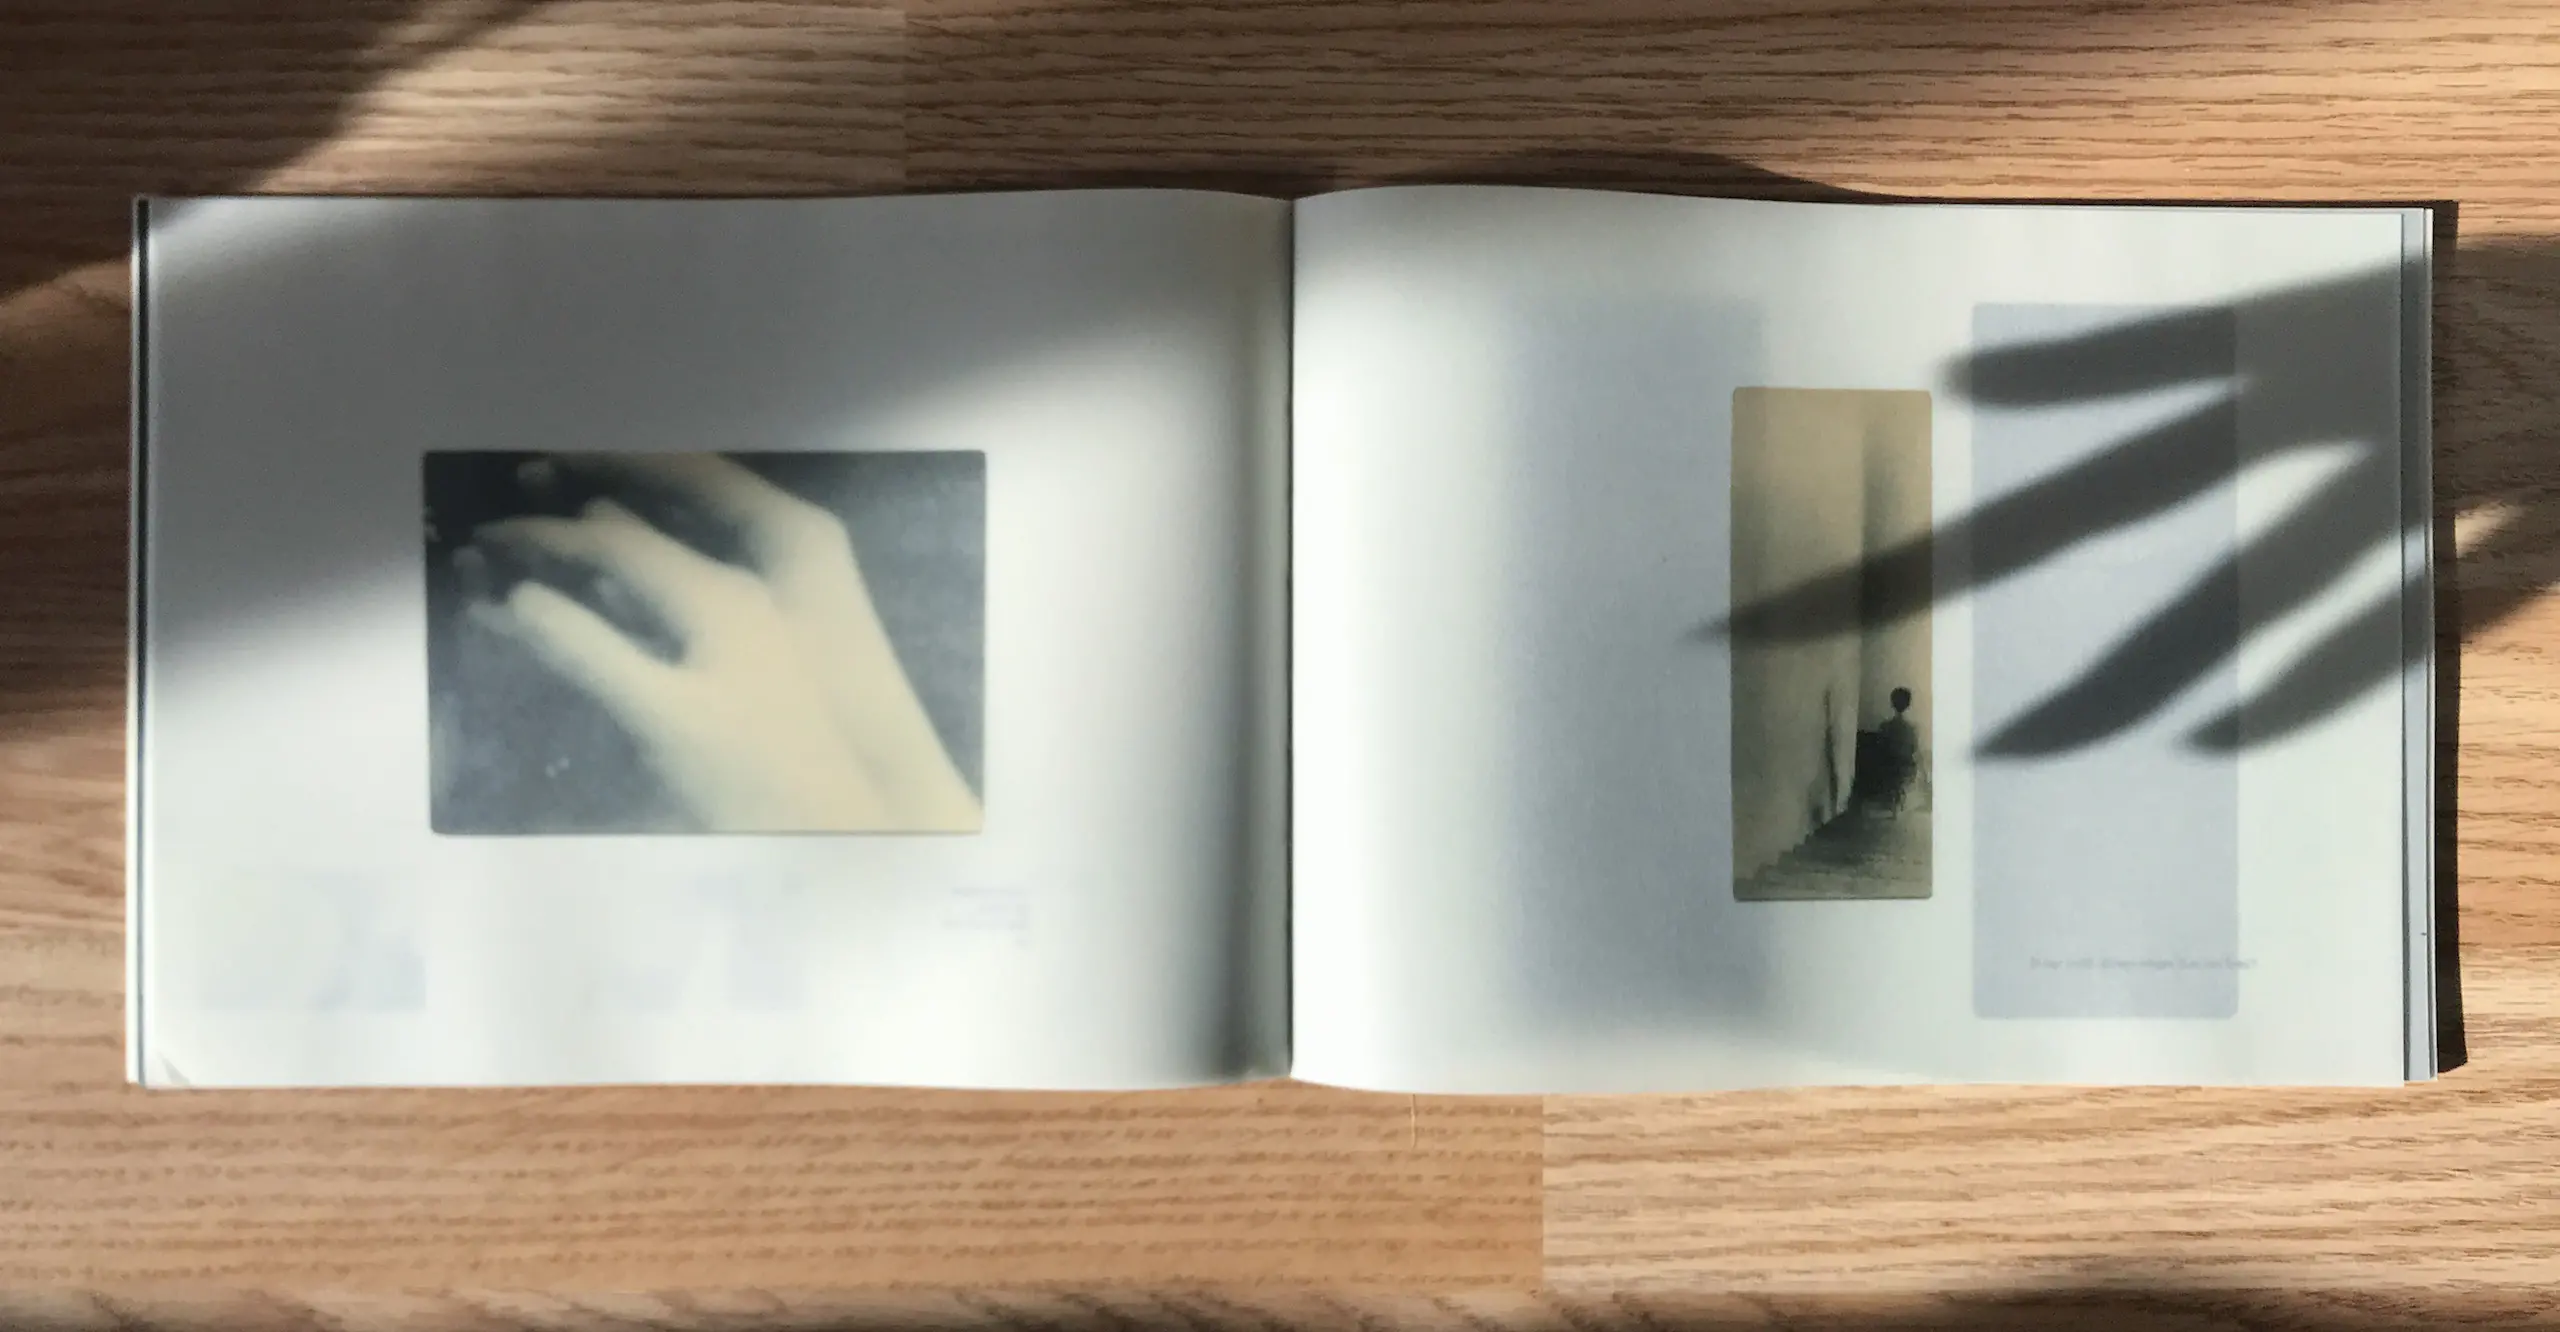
[1860,854]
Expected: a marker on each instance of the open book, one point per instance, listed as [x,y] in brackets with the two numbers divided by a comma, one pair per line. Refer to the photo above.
[1430,638]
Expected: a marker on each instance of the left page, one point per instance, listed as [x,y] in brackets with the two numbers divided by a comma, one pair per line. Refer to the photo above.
[709,641]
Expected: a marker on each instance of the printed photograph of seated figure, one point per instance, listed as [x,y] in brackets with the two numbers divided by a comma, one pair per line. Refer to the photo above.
[1831,733]
[705,642]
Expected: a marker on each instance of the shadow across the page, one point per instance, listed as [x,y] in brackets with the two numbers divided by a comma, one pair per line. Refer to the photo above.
[2143,476]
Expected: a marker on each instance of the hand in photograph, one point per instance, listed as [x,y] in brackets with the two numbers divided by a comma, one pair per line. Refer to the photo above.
[782,705]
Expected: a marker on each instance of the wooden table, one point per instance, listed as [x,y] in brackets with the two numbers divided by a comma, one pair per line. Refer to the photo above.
[1933,1208]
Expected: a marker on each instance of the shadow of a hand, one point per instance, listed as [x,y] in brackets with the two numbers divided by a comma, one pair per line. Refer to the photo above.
[2297,404]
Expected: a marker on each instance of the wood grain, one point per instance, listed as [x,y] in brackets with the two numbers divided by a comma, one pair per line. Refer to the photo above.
[1951,1208]
[2430,1190]
[640,1189]
[2013,1310]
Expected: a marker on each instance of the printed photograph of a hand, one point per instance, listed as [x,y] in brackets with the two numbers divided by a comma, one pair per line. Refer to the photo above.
[724,627]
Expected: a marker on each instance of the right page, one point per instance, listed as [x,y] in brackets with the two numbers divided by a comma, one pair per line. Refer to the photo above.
[1744,643]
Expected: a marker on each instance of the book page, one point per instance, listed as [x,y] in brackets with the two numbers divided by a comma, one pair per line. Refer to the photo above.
[711,641]
[1746,644]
